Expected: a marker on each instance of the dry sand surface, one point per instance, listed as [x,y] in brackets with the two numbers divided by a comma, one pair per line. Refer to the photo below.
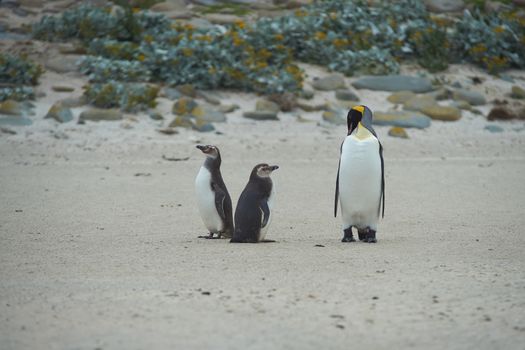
[94,257]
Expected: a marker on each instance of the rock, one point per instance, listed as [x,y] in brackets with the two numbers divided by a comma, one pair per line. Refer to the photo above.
[461,105]
[183,106]
[335,116]
[506,112]
[59,135]
[204,114]
[312,108]
[74,102]
[201,23]
[400,97]
[63,88]
[444,6]
[182,121]
[168,131]
[507,78]
[493,7]
[60,113]
[188,90]
[329,83]
[186,15]
[32,3]
[403,119]
[445,113]
[126,125]
[286,101]
[63,63]
[209,97]
[307,94]
[268,106]
[398,131]
[493,128]
[171,93]
[419,102]
[7,131]
[221,18]
[394,83]
[472,97]
[203,126]
[260,115]
[228,108]
[97,114]
[346,95]
[301,119]
[168,6]
[517,92]
[156,116]
[11,107]
[16,121]
[440,94]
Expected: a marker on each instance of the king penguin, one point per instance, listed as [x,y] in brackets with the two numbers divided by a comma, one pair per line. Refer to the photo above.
[253,213]
[213,199]
[360,184]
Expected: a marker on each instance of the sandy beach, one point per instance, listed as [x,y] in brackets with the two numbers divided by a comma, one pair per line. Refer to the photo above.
[100,250]
[99,221]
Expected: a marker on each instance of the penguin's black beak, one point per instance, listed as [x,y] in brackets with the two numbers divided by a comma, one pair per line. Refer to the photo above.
[273,167]
[201,147]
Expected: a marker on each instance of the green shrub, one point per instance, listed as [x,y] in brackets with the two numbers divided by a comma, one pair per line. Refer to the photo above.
[101,69]
[18,70]
[131,97]
[19,93]
[346,36]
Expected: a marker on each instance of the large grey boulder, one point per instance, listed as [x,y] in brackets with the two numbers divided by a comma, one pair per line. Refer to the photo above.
[403,119]
[394,83]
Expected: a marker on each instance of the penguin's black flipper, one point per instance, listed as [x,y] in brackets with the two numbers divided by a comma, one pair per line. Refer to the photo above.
[337,182]
[337,189]
[382,181]
[220,196]
[266,212]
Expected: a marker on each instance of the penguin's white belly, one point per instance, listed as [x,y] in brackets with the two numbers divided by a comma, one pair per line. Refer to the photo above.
[264,229]
[206,201]
[360,182]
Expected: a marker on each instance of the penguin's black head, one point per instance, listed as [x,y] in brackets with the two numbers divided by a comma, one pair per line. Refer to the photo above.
[358,114]
[263,170]
[209,150]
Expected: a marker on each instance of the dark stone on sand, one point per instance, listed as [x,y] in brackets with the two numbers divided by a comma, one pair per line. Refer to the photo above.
[97,114]
[493,128]
[260,115]
[329,83]
[60,113]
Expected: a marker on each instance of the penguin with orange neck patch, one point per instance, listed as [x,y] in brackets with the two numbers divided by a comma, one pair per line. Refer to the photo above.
[360,184]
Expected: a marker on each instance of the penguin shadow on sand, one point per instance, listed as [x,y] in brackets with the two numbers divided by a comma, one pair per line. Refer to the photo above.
[254,209]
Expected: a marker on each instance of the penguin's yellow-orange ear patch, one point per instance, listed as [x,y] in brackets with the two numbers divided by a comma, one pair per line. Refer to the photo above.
[359,109]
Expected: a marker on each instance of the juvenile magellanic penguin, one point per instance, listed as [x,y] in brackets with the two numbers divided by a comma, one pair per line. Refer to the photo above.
[253,213]
[360,183]
[215,204]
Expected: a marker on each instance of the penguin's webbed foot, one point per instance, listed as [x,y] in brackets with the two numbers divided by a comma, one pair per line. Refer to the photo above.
[348,235]
[370,236]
